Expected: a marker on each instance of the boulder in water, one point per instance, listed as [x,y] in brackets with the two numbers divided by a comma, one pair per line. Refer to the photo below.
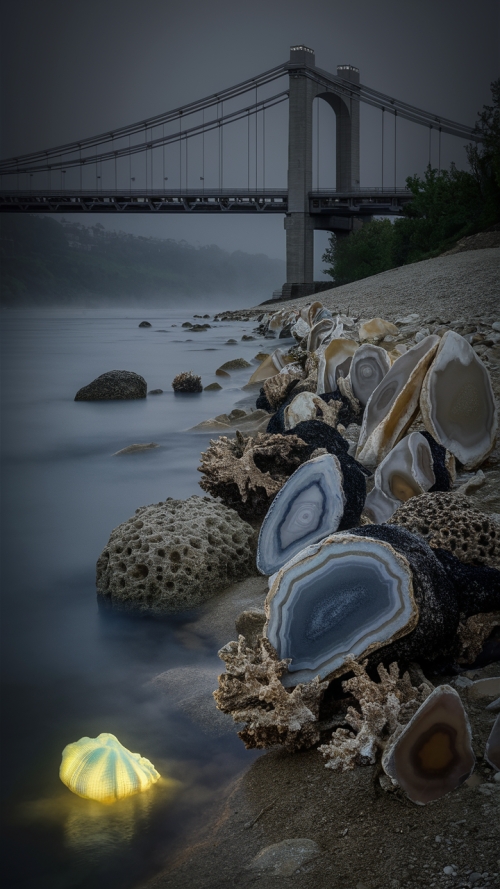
[115,384]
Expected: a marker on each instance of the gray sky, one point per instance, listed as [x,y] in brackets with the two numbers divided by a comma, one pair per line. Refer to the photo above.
[71,69]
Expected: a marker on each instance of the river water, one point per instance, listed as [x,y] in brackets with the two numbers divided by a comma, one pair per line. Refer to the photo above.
[69,668]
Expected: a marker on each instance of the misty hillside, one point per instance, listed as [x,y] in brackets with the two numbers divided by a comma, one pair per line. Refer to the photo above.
[44,261]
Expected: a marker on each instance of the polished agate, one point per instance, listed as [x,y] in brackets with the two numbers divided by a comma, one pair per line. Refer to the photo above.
[492,752]
[345,596]
[457,401]
[433,754]
[335,360]
[369,367]
[406,472]
[309,506]
[321,332]
[393,405]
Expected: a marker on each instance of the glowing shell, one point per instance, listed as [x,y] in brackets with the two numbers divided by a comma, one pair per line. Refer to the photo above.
[104,770]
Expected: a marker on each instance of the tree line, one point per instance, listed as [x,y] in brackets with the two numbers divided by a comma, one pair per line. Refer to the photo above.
[446,205]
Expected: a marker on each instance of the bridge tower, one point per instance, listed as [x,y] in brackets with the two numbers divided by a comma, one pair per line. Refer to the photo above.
[306,84]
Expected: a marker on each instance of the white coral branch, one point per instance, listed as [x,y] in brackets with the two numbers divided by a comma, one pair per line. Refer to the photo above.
[251,691]
[384,707]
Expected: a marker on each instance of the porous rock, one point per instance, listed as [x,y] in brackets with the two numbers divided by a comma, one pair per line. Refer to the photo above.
[235,364]
[447,522]
[114,384]
[473,633]
[277,388]
[252,692]
[174,555]
[187,382]
[247,473]
[383,707]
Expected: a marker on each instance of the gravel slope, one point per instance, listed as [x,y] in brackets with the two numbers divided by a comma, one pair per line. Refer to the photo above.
[457,283]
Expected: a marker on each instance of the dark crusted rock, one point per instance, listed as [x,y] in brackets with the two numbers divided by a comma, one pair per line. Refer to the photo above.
[144,324]
[155,392]
[115,384]
[347,414]
[319,435]
[443,480]
[436,597]
[187,382]
[262,402]
[477,586]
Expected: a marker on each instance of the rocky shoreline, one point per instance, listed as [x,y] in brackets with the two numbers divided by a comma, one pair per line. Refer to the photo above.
[288,822]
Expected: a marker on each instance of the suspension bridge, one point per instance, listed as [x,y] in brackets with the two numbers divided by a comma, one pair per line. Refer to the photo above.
[125,170]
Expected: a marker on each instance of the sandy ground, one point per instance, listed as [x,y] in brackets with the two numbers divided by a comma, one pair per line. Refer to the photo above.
[365,838]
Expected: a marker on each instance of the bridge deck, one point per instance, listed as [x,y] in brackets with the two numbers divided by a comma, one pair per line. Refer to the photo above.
[366,201]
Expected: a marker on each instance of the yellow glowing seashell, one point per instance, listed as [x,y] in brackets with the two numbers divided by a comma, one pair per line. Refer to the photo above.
[104,770]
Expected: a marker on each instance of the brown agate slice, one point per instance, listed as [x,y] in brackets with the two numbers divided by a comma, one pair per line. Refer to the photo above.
[433,753]
[457,401]
[492,752]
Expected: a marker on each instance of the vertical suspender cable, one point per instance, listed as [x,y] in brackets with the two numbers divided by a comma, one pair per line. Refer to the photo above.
[430,145]
[317,145]
[248,148]
[439,150]
[383,118]
[129,162]
[187,162]
[395,146]
[222,147]
[81,169]
[203,151]
[180,153]
[152,160]
[256,130]
[263,147]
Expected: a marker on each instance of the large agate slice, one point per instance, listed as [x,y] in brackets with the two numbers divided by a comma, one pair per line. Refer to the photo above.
[492,752]
[104,770]
[457,401]
[308,508]
[376,328]
[393,405]
[406,472]
[433,754]
[347,595]
[369,367]
[335,361]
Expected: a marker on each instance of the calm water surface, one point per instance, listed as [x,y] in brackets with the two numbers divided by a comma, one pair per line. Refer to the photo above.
[69,669]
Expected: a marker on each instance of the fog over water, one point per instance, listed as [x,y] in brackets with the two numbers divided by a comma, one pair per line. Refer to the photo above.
[69,668]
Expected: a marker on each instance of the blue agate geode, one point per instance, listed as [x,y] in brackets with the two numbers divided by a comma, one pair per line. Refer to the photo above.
[345,596]
[309,506]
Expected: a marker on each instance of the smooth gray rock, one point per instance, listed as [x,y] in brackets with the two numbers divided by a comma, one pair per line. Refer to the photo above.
[284,859]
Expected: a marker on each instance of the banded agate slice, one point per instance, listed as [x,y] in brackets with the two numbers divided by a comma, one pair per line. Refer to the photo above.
[308,507]
[391,408]
[347,595]
[406,472]
[433,754]
[369,367]
[458,403]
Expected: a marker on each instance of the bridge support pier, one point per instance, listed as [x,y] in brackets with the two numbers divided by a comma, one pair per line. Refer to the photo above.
[304,87]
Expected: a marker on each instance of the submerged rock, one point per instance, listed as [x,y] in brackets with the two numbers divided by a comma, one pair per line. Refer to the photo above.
[114,384]
[137,448]
[144,324]
[174,555]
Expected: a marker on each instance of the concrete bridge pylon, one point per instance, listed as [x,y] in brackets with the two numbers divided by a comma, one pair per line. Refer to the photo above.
[304,87]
